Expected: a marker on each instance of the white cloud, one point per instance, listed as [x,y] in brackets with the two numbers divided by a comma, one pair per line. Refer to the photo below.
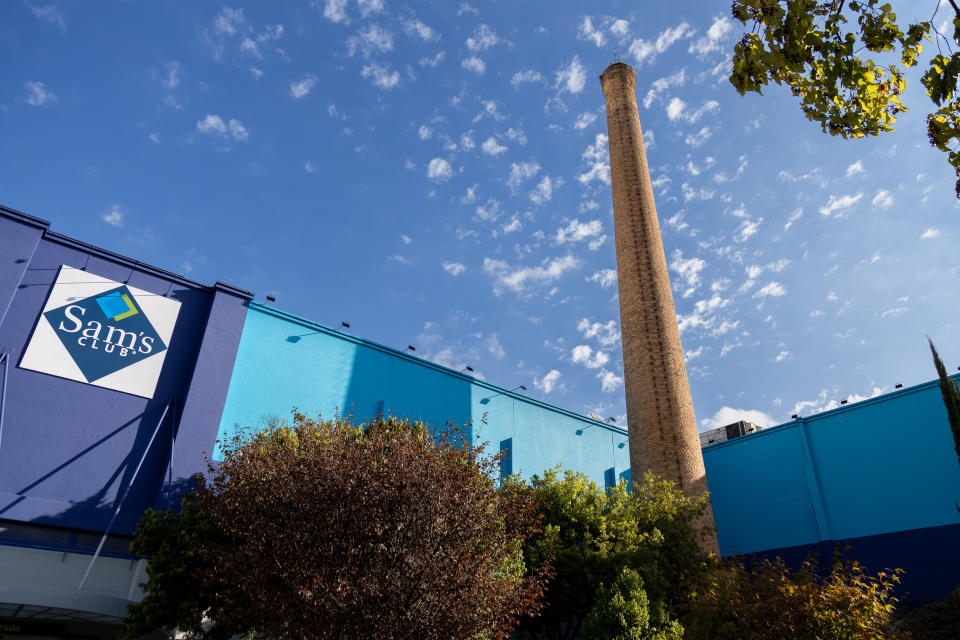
[482,39]
[520,172]
[783,355]
[453,268]
[747,229]
[381,76]
[606,278]
[228,21]
[214,124]
[774,289]
[517,135]
[335,11]
[154,138]
[597,159]
[855,168]
[577,231]
[373,40]
[405,238]
[302,88]
[466,140]
[39,94]
[549,382]
[620,27]
[370,7]
[609,381]
[571,78]
[721,28]
[646,51]
[433,60]
[688,269]
[544,189]
[755,270]
[471,195]
[728,415]
[585,355]
[171,79]
[475,64]
[520,279]
[607,334]
[416,28]
[513,225]
[113,217]
[584,120]
[930,233]
[424,132]
[677,110]
[439,170]
[837,205]
[489,211]
[893,313]
[662,84]
[491,147]
[309,167]
[527,75]
[793,218]
[698,138]
[494,347]
[588,32]
[50,14]
[883,199]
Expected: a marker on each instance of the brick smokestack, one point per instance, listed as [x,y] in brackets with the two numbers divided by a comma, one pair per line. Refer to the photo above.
[662,428]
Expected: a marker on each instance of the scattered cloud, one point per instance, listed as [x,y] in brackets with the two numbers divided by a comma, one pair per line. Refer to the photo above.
[491,147]
[837,206]
[577,231]
[370,41]
[519,279]
[587,31]
[660,85]
[930,233]
[571,78]
[526,76]
[585,355]
[49,13]
[113,217]
[482,39]
[606,278]
[677,110]
[453,268]
[303,87]
[606,334]
[417,29]
[609,381]
[548,382]
[689,271]
[213,124]
[475,64]
[381,76]
[584,120]
[370,7]
[713,41]
[336,11]
[774,289]
[644,51]
[597,160]
[440,170]
[883,199]
[855,168]
[520,172]
[39,94]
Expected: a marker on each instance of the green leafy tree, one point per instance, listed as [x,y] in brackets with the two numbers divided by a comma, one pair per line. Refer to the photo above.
[624,612]
[770,601]
[938,620]
[820,49]
[590,535]
[325,529]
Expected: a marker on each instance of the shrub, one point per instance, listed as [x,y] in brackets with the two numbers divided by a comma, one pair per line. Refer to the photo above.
[623,612]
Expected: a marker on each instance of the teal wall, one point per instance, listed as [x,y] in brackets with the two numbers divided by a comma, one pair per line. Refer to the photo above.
[876,467]
[285,361]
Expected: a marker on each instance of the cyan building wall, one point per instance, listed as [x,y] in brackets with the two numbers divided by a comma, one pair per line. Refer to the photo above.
[880,476]
[285,361]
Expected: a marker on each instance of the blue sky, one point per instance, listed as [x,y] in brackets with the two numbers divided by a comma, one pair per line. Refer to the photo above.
[436,174]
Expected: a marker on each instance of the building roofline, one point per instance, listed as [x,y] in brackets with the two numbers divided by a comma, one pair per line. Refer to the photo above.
[105,254]
[311,324]
[923,386]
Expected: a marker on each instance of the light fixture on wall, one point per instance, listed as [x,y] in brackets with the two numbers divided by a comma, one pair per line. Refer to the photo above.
[271,298]
[519,387]
[466,368]
[344,325]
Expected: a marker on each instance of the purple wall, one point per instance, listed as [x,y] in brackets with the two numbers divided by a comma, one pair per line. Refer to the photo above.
[69,449]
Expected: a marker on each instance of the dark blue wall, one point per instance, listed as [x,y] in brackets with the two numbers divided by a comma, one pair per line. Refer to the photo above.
[69,449]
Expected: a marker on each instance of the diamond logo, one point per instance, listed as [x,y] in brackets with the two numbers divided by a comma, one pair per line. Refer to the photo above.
[101,332]
[105,333]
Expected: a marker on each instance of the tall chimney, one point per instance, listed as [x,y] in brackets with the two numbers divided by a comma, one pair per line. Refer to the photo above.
[662,428]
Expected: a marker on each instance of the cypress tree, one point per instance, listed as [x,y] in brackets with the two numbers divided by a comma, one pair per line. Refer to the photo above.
[951,398]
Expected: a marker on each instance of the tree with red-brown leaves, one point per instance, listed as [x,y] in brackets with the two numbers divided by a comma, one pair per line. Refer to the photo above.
[325,529]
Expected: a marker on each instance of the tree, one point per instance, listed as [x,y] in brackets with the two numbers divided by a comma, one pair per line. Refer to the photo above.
[951,399]
[591,534]
[325,529]
[808,46]
[770,601]
[623,612]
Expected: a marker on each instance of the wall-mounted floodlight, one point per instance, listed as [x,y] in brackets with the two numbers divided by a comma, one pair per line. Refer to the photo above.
[843,402]
[271,298]
[344,325]
[466,368]
[794,417]
[611,419]
[410,347]
[519,387]
[622,445]
[899,385]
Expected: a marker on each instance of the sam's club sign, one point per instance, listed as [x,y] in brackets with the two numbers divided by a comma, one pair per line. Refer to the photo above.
[102,332]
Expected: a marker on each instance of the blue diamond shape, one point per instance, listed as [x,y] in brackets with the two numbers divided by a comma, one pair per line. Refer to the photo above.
[98,342]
